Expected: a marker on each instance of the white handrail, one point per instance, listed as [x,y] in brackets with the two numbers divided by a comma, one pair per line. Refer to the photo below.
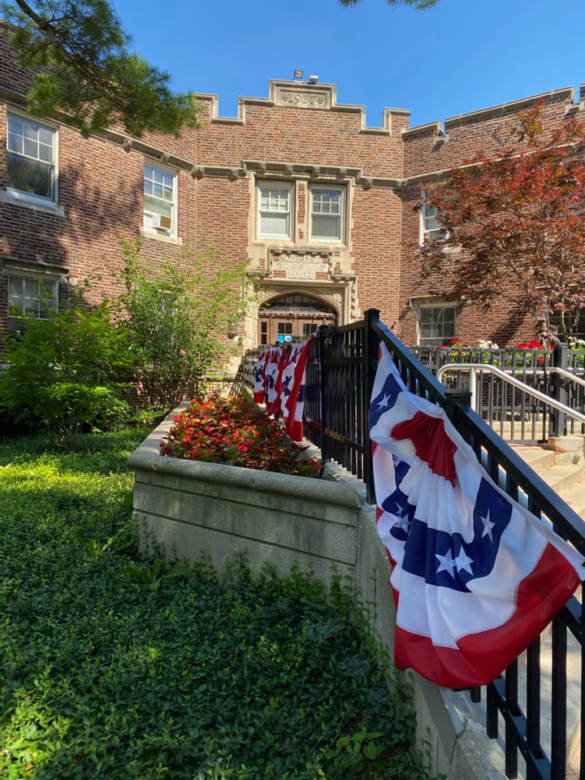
[521,369]
[473,368]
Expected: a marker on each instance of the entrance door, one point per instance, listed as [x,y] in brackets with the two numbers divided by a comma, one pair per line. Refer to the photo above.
[292,318]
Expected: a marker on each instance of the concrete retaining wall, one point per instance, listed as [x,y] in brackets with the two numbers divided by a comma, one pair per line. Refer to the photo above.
[204,508]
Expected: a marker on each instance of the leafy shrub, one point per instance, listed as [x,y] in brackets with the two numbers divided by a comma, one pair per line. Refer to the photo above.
[114,669]
[178,320]
[231,431]
[66,371]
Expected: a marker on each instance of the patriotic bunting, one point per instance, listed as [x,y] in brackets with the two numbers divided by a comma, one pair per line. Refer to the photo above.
[260,377]
[279,376]
[475,576]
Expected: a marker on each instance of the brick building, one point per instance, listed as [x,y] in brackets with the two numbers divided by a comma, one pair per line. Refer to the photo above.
[296,187]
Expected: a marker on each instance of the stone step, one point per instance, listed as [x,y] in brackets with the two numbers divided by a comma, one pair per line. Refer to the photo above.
[575,498]
[563,476]
[538,458]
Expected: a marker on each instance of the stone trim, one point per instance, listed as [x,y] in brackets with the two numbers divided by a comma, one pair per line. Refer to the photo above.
[431,128]
[300,170]
[36,267]
[567,93]
[312,97]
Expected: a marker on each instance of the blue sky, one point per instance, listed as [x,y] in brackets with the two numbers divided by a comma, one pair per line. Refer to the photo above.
[460,56]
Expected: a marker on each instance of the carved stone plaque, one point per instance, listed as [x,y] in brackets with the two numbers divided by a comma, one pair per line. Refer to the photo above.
[297,97]
[298,266]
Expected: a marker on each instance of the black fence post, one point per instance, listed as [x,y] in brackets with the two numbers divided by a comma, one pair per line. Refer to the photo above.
[454,398]
[558,425]
[370,367]
[323,368]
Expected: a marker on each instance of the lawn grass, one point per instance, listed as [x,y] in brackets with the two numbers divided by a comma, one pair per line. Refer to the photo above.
[113,668]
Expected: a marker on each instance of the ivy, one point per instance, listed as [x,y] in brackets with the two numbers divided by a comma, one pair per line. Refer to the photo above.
[114,667]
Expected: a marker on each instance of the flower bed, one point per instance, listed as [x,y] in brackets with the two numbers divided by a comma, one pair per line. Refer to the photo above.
[230,431]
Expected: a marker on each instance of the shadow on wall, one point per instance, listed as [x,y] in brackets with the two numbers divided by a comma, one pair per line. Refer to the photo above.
[88,232]
[515,323]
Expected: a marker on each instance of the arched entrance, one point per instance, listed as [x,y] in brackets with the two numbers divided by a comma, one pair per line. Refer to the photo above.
[291,317]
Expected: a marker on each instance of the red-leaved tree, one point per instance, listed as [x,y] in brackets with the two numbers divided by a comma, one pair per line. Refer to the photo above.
[515,225]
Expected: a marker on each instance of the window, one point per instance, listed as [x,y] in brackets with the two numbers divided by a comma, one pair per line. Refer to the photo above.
[159,199]
[326,214]
[31,167]
[308,328]
[29,295]
[263,333]
[285,331]
[430,224]
[274,211]
[436,325]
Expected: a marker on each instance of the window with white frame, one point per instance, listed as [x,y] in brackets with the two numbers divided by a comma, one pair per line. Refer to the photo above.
[31,163]
[160,199]
[274,210]
[31,295]
[430,226]
[436,325]
[326,213]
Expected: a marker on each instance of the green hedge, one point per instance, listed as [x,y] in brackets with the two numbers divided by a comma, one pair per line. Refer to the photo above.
[113,668]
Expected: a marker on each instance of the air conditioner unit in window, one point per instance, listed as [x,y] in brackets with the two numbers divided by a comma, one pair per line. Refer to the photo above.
[160,221]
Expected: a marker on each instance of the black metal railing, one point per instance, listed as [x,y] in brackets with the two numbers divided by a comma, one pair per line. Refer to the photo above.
[340,375]
[515,415]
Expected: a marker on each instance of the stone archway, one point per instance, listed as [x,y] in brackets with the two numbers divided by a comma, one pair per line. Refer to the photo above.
[293,316]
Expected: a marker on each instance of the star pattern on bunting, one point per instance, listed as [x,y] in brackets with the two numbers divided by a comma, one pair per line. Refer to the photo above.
[487,526]
[446,563]
[384,401]
[463,562]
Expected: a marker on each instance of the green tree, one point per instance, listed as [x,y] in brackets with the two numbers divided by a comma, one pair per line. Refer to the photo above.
[85,69]
[179,320]
[66,371]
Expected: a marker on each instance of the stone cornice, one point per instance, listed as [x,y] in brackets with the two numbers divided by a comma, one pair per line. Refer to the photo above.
[436,128]
[566,93]
[302,95]
[432,128]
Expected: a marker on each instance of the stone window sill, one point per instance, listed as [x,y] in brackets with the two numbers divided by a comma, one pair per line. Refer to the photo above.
[21,199]
[150,233]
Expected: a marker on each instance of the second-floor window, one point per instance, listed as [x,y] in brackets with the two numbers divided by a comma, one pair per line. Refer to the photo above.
[31,165]
[431,226]
[326,214]
[159,199]
[274,211]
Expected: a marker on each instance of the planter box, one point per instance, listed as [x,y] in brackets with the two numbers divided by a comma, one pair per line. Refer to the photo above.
[194,509]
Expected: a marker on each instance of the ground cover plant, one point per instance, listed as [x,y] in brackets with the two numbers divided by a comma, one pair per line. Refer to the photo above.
[231,431]
[117,668]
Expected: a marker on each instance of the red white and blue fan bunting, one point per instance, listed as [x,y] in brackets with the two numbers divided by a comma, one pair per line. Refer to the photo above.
[476,577]
[260,377]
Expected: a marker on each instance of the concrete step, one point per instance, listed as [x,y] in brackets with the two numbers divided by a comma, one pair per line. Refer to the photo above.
[563,476]
[561,470]
[538,458]
[575,498]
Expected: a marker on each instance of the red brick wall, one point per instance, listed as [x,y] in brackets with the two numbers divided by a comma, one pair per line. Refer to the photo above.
[100,188]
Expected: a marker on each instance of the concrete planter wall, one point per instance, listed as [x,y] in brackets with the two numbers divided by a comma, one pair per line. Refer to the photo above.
[194,509]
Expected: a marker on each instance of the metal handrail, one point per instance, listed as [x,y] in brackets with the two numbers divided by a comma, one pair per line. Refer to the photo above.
[521,370]
[473,368]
